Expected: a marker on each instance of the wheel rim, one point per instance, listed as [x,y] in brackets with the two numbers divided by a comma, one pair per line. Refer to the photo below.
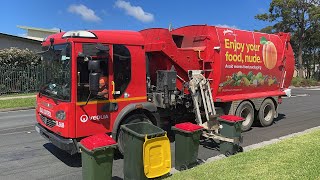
[267,112]
[246,114]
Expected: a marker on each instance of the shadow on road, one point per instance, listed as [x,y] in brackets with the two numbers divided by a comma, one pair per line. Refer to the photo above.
[69,160]
[275,121]
[279,118]
[116,178]
[209,144]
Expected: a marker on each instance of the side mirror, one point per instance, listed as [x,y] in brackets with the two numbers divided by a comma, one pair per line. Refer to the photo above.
[94,83]
[94,65]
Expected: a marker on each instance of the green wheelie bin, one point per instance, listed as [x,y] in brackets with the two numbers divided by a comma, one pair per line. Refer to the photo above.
[230,127]
[97,157]
[187,140]
[146,151]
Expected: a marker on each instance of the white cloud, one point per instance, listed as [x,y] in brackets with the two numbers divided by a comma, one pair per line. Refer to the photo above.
[226,26]
[86,13]
[135,11]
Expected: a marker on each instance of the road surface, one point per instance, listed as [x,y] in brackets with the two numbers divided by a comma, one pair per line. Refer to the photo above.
[26,155]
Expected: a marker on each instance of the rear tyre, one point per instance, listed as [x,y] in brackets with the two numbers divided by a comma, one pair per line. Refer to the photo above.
[131,119]
[246,111]
[266,113]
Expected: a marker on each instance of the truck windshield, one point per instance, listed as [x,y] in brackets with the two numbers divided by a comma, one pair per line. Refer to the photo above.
[57,68]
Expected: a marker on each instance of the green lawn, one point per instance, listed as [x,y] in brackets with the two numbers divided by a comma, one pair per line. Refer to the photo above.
[15,103]
[17,94]
[294,158]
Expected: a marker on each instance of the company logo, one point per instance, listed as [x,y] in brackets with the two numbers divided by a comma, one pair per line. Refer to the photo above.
[228,32]
[84,118]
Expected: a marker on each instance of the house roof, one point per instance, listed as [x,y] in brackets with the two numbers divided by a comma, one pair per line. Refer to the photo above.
[39,29]
[19,37]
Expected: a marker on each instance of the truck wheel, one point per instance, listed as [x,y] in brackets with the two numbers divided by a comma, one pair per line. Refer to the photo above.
[131,119]
[246,111]
[266,113]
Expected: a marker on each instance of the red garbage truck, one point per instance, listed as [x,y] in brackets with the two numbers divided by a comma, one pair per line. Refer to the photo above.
[98,80]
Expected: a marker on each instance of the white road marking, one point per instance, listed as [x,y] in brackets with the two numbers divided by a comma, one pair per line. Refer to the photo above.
[28,132]
[296,95]
[315,89]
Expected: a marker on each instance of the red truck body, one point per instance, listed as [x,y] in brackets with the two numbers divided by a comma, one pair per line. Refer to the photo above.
[224,53]
[240,66]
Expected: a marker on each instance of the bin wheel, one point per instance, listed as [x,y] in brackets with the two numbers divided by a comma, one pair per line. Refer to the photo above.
[240,149]
[183,167]
[131,119]
[227,154]
[246,111]
[266,113]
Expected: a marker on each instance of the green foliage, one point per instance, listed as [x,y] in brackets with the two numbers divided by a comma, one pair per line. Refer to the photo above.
[302,19]
[298,81]
[20,70]
[15,57]
[294,158]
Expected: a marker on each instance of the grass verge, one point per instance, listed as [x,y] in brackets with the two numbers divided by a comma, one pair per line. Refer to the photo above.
[294,158]
[18,103]
[17,94]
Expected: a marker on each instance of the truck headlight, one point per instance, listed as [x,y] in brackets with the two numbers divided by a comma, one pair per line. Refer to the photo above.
[61,115]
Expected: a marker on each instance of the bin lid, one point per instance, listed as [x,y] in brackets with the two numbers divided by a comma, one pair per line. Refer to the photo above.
[230,118]
[97,141]
[156,156]
[189,127]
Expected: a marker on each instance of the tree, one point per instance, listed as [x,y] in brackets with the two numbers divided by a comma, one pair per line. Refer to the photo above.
[295,16]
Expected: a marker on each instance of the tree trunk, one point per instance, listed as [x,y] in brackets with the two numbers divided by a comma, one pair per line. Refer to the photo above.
[314,64]
[301,74]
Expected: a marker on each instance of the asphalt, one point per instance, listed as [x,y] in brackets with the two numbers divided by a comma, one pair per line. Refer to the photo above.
[26,155]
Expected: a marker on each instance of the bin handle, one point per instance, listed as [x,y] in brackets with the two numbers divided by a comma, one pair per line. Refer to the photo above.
[146,136]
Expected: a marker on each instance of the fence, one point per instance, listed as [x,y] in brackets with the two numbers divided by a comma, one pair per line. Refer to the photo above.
[21,79]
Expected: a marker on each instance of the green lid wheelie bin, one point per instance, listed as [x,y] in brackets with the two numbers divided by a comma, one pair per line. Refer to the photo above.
[146,151]
[230,127]
[97,157]
[187,140]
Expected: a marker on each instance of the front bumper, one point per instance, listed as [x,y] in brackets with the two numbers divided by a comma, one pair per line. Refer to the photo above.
[68,145]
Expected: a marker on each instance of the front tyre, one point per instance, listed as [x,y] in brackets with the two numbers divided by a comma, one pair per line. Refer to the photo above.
[266,113]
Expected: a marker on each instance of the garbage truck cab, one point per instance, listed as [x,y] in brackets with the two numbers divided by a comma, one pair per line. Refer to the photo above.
[93,78]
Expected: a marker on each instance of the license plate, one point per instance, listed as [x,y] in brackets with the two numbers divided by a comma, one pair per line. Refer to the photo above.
[37,129]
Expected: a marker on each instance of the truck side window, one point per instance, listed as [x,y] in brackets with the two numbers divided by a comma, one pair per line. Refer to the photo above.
[121,68]
[90,49]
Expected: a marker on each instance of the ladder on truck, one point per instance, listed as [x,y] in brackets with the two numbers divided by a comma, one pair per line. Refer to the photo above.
[201,95]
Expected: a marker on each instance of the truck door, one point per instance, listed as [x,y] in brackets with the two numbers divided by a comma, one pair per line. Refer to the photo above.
[92,115]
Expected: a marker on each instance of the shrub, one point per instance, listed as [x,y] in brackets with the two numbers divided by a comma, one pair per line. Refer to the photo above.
[15,57]
[298,81]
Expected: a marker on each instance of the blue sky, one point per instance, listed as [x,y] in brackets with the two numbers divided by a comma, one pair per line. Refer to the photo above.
[128,14]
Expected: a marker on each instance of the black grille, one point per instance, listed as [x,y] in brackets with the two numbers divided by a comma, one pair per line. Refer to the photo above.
[47,121]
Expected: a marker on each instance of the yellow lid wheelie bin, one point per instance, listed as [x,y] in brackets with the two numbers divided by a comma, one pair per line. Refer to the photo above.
[146,151]
[97,157]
